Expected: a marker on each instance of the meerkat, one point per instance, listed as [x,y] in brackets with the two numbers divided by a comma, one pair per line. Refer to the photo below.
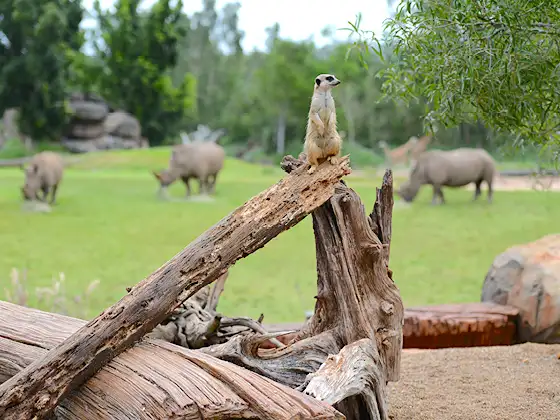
[322,141]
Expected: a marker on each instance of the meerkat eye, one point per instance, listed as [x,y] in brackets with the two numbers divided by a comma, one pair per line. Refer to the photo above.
[330,78]
[318,81]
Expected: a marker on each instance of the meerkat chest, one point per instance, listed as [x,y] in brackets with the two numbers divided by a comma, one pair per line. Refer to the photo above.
[325,106]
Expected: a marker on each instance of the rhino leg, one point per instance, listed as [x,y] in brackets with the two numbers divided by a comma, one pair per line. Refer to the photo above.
[186,180]
[490,191]
[211,183]
[477,191]
[53,194]
[437,193]
[45,191]
[202,185]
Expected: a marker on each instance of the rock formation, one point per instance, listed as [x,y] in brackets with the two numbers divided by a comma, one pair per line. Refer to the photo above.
[528,277]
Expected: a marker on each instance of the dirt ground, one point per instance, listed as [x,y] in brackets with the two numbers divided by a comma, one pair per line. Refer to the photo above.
[519,382]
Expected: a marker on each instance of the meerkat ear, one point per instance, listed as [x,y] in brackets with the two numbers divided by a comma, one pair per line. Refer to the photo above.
[318,81]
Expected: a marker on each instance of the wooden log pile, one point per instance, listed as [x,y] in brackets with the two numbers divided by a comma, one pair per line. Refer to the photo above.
[343,356]
[443,326]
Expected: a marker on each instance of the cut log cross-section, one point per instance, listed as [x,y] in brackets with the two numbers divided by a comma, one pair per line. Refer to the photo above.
[37,389]
[350,348]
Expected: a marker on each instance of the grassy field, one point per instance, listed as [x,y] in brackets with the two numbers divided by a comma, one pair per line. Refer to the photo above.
[109,225]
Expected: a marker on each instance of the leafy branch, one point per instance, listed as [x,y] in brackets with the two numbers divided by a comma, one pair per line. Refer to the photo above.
[496,61]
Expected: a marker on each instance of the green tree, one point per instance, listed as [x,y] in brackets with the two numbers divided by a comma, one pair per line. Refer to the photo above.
[212,51]
[36,41]
[285,85]
[495,61]
[137,52]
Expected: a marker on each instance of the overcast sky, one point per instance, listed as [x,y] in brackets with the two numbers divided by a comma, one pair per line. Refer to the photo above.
[298,19]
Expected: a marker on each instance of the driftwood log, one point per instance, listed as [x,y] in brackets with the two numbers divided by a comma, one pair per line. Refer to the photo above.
[38,388]
[152,380]
[350,348]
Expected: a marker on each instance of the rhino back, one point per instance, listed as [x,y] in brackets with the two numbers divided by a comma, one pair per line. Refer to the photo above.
[459,167]
[50,167]
[196,159]
[214,156]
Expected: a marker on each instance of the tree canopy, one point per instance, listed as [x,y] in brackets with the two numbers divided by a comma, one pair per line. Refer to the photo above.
[174,71]
[137,52]
[495,60]
[37,38]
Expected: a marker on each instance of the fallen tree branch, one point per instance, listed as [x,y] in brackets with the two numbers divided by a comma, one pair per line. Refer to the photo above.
[153,380]
[38,388]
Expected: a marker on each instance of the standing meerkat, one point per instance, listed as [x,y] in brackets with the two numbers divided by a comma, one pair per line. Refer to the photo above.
[322,141]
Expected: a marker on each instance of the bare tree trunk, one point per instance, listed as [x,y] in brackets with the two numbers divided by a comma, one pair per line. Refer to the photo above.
[38,388]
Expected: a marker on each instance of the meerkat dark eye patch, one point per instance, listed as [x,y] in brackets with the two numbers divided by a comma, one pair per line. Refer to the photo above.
[318,81]
[330,78]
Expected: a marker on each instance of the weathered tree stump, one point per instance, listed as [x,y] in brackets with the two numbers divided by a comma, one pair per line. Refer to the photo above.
[38,388]
[350,348]
[152,380]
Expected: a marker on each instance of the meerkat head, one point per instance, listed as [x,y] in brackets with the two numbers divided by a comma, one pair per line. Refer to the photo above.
[325,82]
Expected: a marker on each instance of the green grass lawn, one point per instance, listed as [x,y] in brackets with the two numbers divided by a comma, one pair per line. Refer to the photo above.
[108,225]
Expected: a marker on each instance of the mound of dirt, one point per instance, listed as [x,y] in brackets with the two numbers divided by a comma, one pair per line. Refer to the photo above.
[493,383]
[36,207]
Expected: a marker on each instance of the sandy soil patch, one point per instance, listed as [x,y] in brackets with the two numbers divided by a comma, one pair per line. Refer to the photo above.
[519,382]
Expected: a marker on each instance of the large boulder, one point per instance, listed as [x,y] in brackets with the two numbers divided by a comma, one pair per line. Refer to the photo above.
[528,277]
[104,142]
[122,124]
[89,110]
[85,130]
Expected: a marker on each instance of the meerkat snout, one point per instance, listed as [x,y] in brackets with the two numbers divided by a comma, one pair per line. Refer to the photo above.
[326,81]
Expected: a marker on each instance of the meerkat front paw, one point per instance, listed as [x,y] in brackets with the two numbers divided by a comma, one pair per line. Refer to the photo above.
[311,170]
[333,160]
